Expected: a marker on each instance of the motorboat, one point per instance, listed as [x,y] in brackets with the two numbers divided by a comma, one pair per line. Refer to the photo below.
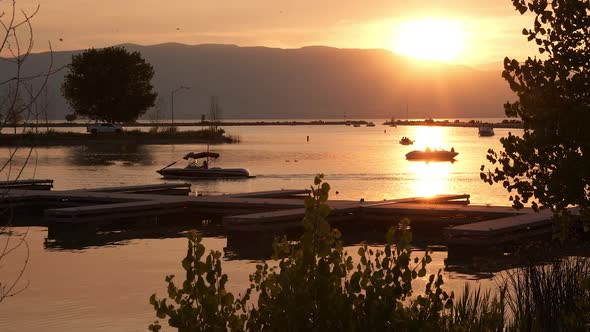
[486,130]
[370,124]
[197,170]
[432,155]
[406,141]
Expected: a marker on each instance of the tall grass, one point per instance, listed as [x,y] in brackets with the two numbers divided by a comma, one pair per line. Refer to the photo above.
[551,297]
[477,311]
[548,297]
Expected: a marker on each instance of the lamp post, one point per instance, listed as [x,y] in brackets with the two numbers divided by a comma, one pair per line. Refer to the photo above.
[182,87]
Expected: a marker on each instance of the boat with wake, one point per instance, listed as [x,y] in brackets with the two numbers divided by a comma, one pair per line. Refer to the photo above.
[197,170]
[432,155]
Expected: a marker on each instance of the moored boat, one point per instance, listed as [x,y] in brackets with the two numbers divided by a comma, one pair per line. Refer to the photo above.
[432,155]
[196,170]
[486,130]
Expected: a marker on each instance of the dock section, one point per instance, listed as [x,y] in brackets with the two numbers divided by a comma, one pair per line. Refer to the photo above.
[79,214]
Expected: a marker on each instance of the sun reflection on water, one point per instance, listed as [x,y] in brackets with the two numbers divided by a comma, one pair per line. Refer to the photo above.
[429,178]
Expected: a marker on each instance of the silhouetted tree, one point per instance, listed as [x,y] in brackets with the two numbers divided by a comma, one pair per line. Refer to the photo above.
[549,166]
[109,84]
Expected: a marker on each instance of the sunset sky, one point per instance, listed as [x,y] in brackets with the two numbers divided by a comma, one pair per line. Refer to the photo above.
[471,32]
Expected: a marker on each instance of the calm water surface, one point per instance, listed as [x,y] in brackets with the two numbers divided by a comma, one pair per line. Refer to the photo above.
[107,287]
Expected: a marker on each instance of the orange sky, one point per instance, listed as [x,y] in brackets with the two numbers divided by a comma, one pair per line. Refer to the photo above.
[491,27]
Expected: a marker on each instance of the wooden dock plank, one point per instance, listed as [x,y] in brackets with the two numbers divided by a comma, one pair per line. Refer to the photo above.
[275,211]
[426,209]
[140,188]
[338,207]
[437,199]
[29,184]
[25,182]
[283,193]
[502,225]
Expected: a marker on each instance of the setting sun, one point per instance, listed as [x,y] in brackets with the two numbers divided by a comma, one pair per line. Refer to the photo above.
[432,39]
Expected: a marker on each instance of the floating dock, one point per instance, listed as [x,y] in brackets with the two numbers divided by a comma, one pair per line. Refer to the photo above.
[72,215]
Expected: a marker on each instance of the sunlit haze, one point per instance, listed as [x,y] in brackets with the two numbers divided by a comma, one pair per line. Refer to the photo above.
[430,38]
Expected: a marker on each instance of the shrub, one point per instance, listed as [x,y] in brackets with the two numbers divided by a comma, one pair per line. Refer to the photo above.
[315,285]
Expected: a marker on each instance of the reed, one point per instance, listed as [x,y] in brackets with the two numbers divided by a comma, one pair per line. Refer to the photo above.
[477,311]
[550,297]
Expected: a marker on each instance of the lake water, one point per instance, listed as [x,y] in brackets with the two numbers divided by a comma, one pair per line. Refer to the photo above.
[107,287]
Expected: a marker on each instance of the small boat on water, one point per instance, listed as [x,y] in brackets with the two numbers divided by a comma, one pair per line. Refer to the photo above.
[486,130]
[370,124]
[356,125]
[432,155]
[406,141]
[196,170]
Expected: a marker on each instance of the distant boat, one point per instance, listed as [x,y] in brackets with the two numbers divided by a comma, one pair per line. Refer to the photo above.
[486,130]
[370,124]
[195,171]
[432,155]
[391,122]
[356,125]
[406,141]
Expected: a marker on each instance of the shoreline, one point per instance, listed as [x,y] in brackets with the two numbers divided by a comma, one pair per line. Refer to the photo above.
[427,122]
[74,139]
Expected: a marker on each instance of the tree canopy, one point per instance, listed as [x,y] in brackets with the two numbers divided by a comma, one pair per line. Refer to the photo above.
[109,84]
[549,165]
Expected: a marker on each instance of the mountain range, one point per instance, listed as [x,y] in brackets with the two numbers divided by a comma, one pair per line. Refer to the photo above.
[313,82]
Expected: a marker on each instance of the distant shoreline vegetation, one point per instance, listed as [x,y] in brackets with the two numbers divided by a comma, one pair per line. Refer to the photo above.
[427,122]
[156,135]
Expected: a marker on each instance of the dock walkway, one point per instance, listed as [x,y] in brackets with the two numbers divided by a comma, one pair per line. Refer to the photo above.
[79,213]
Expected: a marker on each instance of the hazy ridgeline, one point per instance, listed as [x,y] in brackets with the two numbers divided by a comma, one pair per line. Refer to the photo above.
[311,82]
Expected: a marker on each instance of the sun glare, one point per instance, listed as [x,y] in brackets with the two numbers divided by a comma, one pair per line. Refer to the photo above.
[429,137]
[432,39]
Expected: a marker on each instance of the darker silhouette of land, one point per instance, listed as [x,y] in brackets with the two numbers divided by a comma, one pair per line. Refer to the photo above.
[305,83]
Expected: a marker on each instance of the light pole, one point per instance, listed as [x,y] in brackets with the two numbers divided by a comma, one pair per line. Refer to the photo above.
[182,87]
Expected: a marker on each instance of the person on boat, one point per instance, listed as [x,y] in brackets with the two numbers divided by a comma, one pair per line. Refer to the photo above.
[205,164]
[452,149]
[192,163]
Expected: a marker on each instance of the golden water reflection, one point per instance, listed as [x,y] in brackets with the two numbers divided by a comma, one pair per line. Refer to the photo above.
[430,179]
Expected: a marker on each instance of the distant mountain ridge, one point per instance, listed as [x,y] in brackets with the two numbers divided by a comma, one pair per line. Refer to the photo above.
[305,83]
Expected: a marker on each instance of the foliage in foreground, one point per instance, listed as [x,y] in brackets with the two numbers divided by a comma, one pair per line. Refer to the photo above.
[316,285]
